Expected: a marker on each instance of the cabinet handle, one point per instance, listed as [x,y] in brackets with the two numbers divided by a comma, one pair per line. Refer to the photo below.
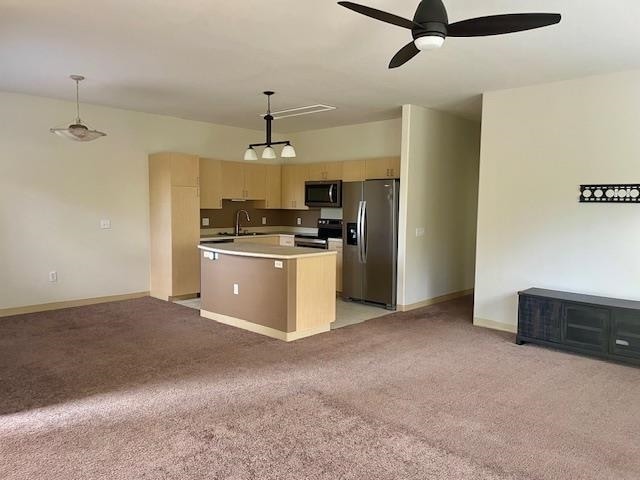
[198,181]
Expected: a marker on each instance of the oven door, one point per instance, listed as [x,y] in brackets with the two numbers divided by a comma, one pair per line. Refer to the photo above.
[323,194]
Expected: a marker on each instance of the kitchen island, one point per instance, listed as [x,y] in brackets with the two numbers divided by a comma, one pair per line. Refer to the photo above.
[283,292]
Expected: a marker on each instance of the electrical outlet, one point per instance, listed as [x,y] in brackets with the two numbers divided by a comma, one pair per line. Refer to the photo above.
[53,277]
[298,221]
[236,289]
[264,220]
[420,232]
[205,222]
[105,224]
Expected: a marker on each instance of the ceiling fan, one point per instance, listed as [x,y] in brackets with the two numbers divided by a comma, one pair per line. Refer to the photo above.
[430,26]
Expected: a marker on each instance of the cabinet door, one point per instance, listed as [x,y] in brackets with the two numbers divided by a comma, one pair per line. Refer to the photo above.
[316,171]
[255,181]
[293,178]
[337,247]
[185,237]
[333,171]
[185,170]
[394,167]
[210,183]
[625,333]
[585,327]
[378,168]
[273,194]
[232,180]
[353,171]
[540,318]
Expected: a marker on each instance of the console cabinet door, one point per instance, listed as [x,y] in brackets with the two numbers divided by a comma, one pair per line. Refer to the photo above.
[539,318]
[586,327]
[625,333]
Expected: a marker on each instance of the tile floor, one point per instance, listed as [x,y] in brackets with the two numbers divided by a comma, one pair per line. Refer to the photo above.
[347,313]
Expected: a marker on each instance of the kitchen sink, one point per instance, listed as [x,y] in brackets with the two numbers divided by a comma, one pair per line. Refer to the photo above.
[244,234]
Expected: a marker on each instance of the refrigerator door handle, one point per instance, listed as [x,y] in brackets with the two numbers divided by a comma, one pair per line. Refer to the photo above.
[364,232]
[359,232]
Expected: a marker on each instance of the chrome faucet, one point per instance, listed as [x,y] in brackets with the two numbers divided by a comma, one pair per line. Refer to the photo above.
[246,214]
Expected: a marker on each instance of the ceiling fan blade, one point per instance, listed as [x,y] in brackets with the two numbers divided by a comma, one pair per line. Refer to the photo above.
[501,24]
[405,54]
[380,15]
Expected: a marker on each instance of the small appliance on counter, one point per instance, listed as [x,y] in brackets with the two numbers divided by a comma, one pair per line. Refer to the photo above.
[327,228]
[323,194]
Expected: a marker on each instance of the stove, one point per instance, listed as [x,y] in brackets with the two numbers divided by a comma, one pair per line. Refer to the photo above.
[327,228]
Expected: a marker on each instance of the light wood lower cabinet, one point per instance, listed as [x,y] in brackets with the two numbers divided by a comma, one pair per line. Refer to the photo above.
[337,246]
[174,226]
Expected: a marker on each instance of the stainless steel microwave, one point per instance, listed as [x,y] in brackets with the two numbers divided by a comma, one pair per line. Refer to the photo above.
[325,194]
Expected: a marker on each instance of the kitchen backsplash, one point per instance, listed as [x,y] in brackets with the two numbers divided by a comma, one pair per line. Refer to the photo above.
[226,216]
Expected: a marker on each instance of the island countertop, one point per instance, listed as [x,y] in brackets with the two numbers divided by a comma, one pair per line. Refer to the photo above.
[265,251]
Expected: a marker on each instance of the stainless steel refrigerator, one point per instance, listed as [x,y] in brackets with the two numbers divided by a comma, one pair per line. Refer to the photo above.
[370,233]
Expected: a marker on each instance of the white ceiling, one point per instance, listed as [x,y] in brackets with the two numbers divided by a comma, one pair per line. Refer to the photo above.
[210,59]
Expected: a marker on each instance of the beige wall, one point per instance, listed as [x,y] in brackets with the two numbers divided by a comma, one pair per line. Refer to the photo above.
[351,142]
[538,145]
[439,178]
[53,193]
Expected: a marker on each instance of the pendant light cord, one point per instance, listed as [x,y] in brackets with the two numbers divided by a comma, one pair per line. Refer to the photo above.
[78,102]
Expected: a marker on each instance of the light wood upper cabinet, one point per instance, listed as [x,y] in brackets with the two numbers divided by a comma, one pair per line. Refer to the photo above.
[293,178]
[210,183]
[325,171]
[382,168]
[232,180]
[243,180]
[353,171]
[255,181]
[185,170]
[273,194]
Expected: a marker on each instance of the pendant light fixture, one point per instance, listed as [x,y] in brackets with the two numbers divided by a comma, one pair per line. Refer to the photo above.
[78,131]
[269,153]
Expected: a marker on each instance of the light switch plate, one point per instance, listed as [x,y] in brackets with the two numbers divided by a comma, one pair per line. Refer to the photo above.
[105,224]
[205,222]
[420,232]
[53,277]
[298,221]
[278,264]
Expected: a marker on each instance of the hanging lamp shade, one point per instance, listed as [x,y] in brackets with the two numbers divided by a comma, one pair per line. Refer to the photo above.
[78,131]
[269,153]
[250,154]
[288,151]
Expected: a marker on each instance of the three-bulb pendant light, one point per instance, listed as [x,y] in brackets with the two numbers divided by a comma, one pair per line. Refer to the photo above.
[269,153]
[78,131]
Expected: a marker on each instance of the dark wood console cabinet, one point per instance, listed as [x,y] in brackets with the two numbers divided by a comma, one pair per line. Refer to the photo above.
[599,326]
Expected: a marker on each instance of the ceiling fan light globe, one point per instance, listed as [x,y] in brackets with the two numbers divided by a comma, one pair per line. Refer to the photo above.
[269,153]
[429,42]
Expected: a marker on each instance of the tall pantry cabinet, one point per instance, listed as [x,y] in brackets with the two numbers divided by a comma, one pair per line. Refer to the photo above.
[174,193]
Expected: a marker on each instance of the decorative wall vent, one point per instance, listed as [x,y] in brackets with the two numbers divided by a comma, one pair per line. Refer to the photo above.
[614,193]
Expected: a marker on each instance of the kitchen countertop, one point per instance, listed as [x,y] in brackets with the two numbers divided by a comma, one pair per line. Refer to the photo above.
[265,251]
[207,238]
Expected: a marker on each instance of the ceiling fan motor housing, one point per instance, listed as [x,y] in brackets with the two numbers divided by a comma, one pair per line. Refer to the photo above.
[432,17]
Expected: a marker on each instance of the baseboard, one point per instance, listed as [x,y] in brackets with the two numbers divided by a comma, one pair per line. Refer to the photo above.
[46,307]
[436,300]
[493,325]
[261,329]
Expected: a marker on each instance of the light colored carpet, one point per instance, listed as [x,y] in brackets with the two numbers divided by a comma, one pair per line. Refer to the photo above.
[144,389]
